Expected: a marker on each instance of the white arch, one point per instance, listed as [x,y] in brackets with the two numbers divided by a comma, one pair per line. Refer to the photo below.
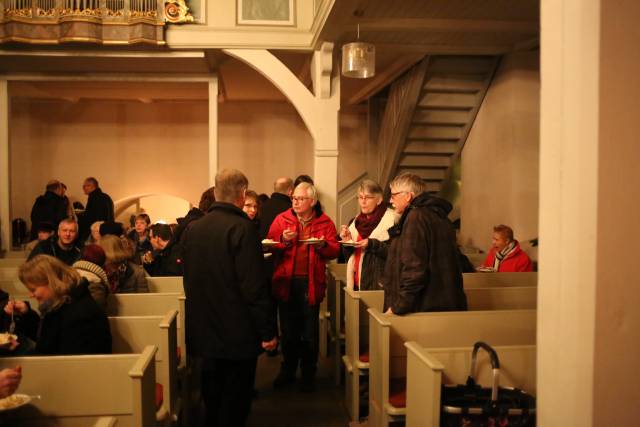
[122,204]
[319,112]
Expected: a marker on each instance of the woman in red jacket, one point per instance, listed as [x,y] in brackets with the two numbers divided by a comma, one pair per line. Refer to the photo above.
[306,241]
[505,254]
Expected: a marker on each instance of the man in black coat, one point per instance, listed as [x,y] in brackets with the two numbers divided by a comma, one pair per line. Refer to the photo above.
[50,208]
[228,313]
[99,207]
[166,259]
[422,271]
[63,245]
[279,202]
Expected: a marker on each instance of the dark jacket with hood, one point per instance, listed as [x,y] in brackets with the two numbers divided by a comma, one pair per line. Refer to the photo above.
[76,326]
[49,208]
[422,272]
[228,306]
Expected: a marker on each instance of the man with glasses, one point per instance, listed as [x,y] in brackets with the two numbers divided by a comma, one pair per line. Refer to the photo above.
[306,241]
[422,272]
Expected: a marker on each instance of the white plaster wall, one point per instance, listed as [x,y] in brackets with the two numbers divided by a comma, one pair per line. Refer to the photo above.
[130,147]
[161,147]
[501,157]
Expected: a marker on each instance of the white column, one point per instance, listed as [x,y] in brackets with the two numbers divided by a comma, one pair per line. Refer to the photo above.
[5,187]
[588,295]
[213,128]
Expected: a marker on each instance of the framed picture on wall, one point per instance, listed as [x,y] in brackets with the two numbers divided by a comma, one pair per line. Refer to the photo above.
[266,12]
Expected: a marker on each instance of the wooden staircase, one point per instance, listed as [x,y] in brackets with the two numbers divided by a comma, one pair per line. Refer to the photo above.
[429,113]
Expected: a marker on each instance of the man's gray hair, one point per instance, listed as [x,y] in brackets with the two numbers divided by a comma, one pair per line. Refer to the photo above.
[371,187]
[409,182]
[69,220]
[230,184]
[283,185]
[309,189]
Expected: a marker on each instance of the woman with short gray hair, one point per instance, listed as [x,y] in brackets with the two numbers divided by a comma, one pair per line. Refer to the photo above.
[365,265]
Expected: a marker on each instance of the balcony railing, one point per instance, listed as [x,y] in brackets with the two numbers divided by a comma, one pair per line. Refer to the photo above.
[93,21]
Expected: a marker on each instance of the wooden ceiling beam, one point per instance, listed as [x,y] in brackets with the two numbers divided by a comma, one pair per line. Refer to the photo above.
[446,49]
[446,25]
[385,77]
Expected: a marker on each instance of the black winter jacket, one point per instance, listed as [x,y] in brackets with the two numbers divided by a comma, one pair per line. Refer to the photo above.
[228,306]
[78,326]
[99,208]
[273,207]
[51,247]
[422,272]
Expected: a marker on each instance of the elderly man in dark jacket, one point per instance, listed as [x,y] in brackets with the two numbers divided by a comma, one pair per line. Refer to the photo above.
[228,312]
[99,207]
[422,272]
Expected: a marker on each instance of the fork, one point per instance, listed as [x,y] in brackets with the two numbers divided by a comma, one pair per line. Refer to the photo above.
[12,325]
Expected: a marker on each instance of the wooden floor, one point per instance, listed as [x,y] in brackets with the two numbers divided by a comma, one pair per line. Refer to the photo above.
[289,407]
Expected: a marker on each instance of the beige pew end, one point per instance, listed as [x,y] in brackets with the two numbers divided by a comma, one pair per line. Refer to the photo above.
[388,356]
[429,368]
[152,304]
[336,273]
[130,334]
[76,391]
[356,359]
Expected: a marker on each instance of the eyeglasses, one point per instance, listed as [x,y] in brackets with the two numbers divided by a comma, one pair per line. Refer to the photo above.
[299,199]
[363,198]
[397,192]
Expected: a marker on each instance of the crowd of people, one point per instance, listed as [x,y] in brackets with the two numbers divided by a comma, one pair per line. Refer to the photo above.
[247,260]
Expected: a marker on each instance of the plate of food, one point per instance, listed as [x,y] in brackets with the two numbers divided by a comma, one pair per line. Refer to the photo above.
[485,269]
[348,243]
[311,240]
[267,255]
[14,401]
[269,242]
[6,338]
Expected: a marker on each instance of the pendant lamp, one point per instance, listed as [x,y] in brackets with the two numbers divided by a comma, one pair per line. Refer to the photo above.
[358,59]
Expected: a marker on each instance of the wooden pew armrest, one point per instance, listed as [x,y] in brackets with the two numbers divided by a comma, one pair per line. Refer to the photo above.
[424,356]
[392,410]
[347,363]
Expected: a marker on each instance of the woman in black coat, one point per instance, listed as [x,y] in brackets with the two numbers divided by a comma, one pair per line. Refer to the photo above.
[70,321]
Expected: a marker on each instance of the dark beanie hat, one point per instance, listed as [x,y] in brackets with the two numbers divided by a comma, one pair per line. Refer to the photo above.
[94,254]
[45,226]
[114,228]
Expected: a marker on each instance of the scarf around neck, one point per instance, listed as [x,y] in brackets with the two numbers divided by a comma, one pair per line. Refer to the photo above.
[505,252]
[365,224]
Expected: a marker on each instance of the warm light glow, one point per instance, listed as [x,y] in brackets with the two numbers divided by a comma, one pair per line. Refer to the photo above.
[358,60]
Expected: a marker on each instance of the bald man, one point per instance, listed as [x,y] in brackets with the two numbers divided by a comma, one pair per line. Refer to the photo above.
[279,202]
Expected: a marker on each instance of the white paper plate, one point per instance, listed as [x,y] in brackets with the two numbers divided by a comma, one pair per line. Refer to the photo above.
[14,401]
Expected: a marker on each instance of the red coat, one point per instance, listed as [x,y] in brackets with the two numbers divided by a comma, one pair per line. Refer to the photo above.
[516,261]
[285,255]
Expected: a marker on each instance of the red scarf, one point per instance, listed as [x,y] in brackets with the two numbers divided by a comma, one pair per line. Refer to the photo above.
[365,224]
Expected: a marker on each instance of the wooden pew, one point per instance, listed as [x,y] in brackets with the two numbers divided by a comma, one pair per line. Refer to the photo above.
[489,280]
[336,274]
[357,333]
[429,368]
[131,334]
[356,304]
[388,356]
[498,298]
[152,304]
[336,280]
[165,284]
[78,390]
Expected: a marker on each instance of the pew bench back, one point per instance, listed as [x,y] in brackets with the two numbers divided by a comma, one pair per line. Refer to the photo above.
[80,389]
[429,368]
[487,280]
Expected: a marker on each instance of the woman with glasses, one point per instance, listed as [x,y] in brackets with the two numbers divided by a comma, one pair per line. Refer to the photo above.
[365,266]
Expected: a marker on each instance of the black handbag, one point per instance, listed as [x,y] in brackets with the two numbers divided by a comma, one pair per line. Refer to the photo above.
[471,405]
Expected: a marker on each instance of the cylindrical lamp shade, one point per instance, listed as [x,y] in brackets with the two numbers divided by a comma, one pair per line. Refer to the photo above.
[358,60]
